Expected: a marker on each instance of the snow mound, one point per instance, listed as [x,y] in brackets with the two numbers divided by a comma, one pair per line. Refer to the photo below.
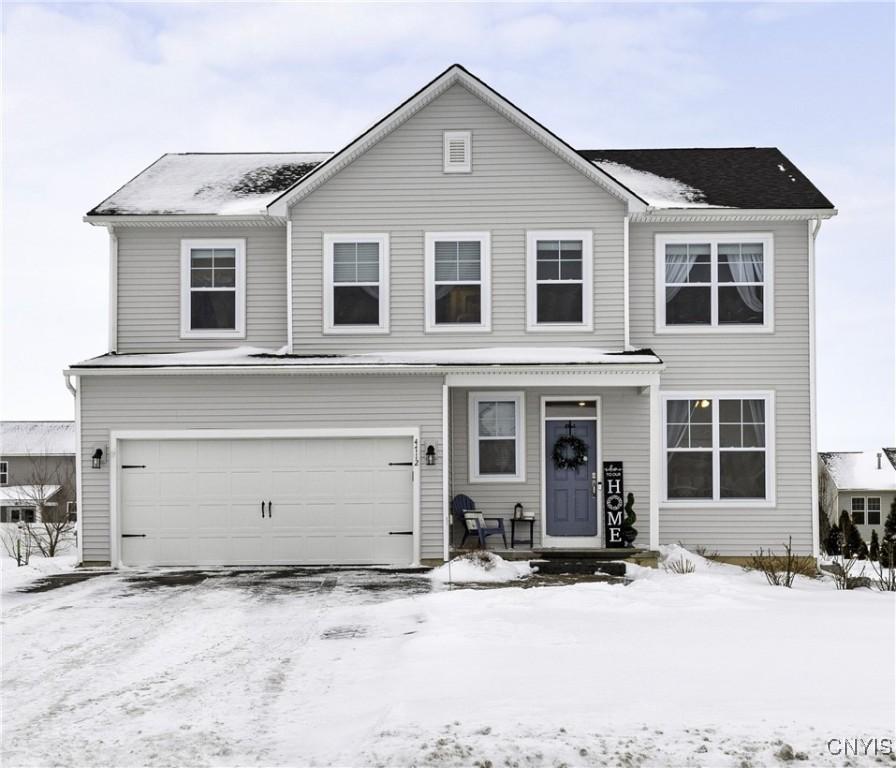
[15,577]
[480,567]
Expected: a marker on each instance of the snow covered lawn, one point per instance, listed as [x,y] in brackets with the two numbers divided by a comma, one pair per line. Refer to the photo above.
[713,668]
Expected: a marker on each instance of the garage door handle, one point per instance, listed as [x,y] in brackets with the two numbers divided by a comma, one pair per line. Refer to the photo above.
[401,533]
[262,509]
[269,509]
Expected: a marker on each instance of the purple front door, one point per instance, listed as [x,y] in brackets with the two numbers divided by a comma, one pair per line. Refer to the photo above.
[570,493]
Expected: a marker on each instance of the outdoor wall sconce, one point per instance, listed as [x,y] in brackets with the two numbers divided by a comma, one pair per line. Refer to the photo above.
[430,455]
[97,461]
[517,511]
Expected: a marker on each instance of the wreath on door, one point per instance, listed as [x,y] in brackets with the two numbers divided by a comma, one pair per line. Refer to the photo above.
[570,452]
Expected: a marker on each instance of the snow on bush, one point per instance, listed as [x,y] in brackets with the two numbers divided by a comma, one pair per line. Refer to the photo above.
[480,566]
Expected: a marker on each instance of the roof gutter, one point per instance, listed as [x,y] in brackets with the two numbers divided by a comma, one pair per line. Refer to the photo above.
[653,214]
[113,289]
[183,219]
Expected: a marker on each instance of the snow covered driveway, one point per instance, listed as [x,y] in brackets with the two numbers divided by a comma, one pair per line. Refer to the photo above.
[713,668]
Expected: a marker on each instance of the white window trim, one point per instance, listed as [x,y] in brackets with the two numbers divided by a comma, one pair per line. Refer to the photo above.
[473,436]
[716,501]
[587,238]
[329,327]
[239,246]
[467,138]
[714,239]
[866,510]
[485,282]
[4,471]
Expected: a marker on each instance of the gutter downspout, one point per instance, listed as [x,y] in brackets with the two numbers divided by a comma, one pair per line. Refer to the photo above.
[626,331]
[289,286]
[76,392]
[113,289]
[813,225]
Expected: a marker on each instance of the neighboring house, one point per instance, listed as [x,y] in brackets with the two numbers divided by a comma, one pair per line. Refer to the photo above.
[311,354]
[863,483]
[37,469]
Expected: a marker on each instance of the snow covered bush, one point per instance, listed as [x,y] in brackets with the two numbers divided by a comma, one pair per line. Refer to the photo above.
[680,565]
[17,543]
[480,566]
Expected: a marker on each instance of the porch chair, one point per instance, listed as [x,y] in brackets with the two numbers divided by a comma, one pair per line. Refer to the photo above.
[474,522]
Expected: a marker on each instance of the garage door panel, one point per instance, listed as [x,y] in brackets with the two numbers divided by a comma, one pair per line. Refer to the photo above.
[334,500]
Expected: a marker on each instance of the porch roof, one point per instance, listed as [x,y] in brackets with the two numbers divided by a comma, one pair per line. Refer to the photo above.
[476,358]
[26,494]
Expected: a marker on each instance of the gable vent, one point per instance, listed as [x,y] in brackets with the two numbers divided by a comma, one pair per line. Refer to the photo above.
[458,151]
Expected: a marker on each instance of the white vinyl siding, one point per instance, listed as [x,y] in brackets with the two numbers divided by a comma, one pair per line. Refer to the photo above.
[715,282]
[497,437]
[559,273]
[398,187]
[213,289]
[149,288]
[458,282]
[356,283]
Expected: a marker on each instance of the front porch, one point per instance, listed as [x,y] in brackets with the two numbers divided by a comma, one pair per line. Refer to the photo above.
[502,437]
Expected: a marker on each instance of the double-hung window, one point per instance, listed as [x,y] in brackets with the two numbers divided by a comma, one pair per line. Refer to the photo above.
[213,289]
[714,282]
[496,437]
[559,280]
[458,293]
[356,283]
[719,447]
[4,472]
[866,504]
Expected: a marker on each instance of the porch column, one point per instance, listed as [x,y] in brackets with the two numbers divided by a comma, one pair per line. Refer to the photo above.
[446,477]
[655,458]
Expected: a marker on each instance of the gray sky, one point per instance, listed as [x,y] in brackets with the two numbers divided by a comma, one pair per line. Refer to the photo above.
[94,93]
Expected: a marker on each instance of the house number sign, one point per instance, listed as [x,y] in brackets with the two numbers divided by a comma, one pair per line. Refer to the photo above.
[614,503]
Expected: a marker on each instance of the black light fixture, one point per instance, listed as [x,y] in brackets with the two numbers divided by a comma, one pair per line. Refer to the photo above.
[430,455]
[97,458]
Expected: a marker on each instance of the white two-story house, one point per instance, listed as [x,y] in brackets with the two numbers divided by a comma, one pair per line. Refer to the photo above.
[312,355]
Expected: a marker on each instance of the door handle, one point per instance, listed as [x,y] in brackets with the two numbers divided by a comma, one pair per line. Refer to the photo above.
[594,483]
[269,508]
[262,510]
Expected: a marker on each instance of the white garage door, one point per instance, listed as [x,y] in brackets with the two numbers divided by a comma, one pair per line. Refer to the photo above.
[266,501]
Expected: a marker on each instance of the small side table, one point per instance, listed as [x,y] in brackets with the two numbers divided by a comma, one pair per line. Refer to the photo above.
[530,521]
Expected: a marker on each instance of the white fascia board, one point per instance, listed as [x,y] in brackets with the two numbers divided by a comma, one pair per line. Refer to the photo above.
[185,220]
[619,375]
[454,75]
[731,214]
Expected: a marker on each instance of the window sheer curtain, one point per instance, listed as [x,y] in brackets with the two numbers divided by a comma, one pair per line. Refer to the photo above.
[679,261]
[746,265]
[677,418]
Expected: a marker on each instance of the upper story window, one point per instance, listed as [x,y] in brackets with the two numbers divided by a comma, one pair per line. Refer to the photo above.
[457,148]
[458,289]
[213,289]
[559,280]
[356,283]
[719,448]
[496,437]
[4,472]
[714,282]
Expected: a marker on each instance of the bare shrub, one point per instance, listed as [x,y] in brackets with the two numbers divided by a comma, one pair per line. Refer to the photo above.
[885,567]
[680,566]
[781,570]
[50,486]
[17,543]
[706,552]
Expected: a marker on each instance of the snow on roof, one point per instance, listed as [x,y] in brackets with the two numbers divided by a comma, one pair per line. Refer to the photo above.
[221,184]
[657,191]
[255,356]
[21,438]
[857,470]
[27,494]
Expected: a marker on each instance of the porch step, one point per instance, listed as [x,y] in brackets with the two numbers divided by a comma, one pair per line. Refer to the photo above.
[557,566]
[595,555]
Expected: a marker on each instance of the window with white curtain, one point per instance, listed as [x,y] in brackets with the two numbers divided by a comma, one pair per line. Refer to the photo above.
[457,281]
[714,282]
[718,447]
[356,289]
